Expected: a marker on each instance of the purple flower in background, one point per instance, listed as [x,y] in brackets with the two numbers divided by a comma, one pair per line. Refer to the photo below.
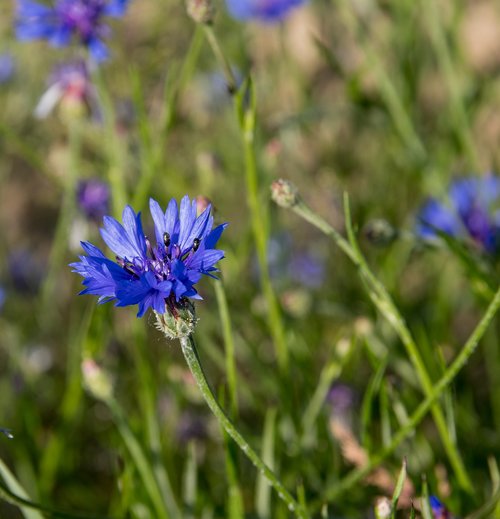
[341,399]
[70,84]
[439,511]
[93,197]
[191,427]
[156,277]
[7,67]
[471,213]
[307,269]
[26,271]
[270,11]
[65,19]
[2,297]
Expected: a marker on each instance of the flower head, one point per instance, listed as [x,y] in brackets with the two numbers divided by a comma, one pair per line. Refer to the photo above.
[93,197]
[67,19]
[160,277]
[70,85]
[471,213]
[439,511]
[270,11]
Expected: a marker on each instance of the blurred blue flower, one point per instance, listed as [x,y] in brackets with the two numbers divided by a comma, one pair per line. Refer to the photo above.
[152,277]
[93,197]
[471,213]
[69,83]
[26,271]
[7,67]
[270,11]
[308,269]
[66,19]
[439,511]
[2,297]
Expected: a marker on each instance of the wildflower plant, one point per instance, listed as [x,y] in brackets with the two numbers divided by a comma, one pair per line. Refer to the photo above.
[471,214]
[65,20]
[162,277]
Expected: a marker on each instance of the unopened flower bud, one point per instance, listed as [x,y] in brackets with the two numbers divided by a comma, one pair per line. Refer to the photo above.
[180,321]
[201,11]
[284,193]
[96,380]
[202,202]
[380,232]
[383,508]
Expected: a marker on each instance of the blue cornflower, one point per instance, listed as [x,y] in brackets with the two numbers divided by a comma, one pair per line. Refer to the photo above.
[270,11]
[66,19]
[156,277]
[439,511]
[470,213]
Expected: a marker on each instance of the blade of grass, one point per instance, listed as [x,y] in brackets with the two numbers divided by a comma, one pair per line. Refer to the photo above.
[263,491]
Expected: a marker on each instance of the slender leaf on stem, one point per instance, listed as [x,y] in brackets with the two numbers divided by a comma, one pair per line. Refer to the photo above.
[426,506]
[399,488]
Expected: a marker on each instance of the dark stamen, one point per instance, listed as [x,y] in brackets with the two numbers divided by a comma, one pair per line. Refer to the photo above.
[196,244]
[166,239]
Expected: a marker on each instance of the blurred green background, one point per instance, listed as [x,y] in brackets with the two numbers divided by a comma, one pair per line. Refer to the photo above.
[386,100]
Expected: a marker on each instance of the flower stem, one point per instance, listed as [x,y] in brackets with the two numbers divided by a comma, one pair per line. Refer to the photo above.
[229,345]
[191,355]
[449,375]
[258,214]
[384,303]
[439,38]
[116,156]
[232,84]
[66,212]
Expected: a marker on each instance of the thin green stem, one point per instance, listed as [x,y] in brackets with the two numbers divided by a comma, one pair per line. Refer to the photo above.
[388,90]
[259,226]
[246,114]
[153,140]
[383,301]
[114,146]
[227,332]
[192,359]
[60,241]
[232,84]
[449,375]
[434,21]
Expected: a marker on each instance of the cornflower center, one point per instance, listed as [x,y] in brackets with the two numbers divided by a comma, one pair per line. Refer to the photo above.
[81,15]
[159,259]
